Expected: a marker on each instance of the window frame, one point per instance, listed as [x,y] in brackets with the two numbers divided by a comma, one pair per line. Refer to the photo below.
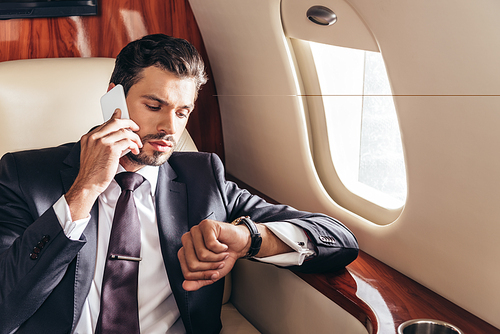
[320,146]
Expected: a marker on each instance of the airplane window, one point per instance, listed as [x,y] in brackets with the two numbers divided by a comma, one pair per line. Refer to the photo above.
[363,131]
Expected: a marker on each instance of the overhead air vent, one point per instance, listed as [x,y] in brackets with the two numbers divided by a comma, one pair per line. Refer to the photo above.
[321,15]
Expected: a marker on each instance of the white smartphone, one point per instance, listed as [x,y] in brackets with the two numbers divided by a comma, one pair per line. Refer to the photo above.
[112,100]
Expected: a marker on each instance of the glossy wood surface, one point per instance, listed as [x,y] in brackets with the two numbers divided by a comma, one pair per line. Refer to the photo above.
[382,298]
[104,35]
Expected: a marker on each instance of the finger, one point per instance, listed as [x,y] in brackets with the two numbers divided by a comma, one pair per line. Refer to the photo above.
[127,145]
[131,141]
[201,238]
[117,113]
[210,231]
[196,274]
[196,285]
[123,137]
[126,121]
[193,263]
[117,123]
[195,281]
[114,125]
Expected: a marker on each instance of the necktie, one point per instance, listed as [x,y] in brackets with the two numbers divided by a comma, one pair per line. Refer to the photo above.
[119,307]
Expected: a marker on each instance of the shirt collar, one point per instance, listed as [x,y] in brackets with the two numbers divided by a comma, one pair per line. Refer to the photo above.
[150,173]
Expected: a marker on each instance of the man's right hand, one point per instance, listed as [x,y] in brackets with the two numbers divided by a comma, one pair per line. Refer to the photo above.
[101,150]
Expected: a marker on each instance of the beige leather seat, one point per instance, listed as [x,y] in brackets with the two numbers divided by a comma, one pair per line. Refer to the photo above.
[47,102]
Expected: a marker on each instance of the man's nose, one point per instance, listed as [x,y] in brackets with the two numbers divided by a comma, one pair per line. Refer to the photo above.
[167,123]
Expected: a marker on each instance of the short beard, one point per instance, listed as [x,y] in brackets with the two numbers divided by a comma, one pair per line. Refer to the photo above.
[158,158]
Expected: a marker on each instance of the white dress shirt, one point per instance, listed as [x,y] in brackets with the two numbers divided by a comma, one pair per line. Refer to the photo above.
[158,311]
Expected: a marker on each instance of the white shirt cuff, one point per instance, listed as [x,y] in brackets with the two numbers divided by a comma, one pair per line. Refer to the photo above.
[296,238]
[72,229]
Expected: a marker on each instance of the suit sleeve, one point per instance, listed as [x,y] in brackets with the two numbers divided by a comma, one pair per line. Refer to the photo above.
[335,245]
[34,252]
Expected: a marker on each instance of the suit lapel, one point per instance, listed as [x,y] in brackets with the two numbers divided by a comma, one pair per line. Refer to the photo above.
[85,262]
[171,207]
[172,217]
[69,175]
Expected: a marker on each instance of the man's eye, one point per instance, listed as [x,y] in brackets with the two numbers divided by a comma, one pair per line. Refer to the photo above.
[154,108]
[182,114]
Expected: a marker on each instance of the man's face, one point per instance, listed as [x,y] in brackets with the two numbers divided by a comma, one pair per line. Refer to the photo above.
[160,103]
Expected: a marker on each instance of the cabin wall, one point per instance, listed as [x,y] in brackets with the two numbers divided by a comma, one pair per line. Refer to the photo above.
[442,60]
[104,35]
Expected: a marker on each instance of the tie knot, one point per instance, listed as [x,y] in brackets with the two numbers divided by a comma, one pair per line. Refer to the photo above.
[129,180]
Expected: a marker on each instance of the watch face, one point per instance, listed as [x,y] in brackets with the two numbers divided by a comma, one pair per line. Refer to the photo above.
[238,221]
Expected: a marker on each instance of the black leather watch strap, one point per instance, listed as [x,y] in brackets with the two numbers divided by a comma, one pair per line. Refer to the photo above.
[256,239]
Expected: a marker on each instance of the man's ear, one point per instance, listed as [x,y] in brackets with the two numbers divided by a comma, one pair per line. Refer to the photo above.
[110,87]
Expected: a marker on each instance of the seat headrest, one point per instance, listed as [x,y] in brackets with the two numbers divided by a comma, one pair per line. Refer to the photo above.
[48,102]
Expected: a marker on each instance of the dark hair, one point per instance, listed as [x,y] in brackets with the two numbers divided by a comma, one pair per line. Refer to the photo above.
[168,53]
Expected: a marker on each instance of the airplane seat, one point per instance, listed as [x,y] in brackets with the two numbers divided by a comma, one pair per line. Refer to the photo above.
[48,102]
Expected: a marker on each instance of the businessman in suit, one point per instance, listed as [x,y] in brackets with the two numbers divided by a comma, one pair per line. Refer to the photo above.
[57,207]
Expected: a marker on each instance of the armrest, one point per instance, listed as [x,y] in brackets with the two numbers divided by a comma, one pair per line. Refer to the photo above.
[383,298]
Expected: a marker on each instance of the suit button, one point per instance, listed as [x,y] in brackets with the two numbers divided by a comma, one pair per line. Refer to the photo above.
[45,238]
[327,239]
[33,256]
[36,250]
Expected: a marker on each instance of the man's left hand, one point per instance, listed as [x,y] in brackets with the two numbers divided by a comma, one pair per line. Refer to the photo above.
[210,250]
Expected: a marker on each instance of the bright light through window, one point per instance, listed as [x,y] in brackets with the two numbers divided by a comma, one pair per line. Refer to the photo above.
[363,129]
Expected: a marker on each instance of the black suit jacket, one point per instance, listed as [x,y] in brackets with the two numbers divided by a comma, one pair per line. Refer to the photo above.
[45,277]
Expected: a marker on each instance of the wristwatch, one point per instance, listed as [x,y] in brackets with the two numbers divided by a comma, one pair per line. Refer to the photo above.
[254,234]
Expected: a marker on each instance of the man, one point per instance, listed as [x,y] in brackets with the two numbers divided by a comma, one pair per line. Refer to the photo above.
[57,207]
